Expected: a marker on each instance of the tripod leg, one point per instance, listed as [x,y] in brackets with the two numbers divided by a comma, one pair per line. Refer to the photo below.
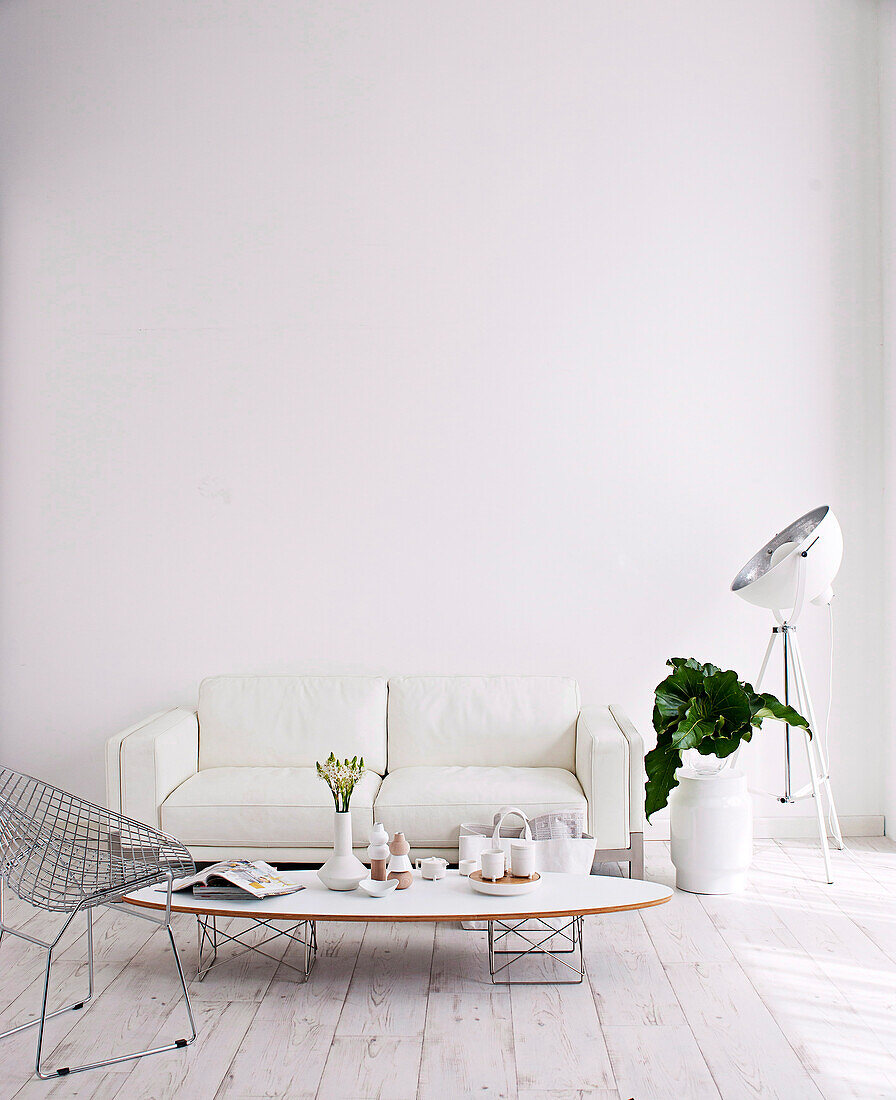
[823,768]
[768,653]
[799,687]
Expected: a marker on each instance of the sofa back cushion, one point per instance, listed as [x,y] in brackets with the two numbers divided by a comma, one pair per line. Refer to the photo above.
[517,721]
[291,721]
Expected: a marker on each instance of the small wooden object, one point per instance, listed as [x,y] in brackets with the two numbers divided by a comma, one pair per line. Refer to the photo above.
[378,853]
[508,885]
[400,864]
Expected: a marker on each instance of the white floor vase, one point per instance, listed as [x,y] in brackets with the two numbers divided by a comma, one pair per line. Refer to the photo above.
[711,822]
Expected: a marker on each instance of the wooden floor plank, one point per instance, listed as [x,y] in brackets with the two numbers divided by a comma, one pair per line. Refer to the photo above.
[460,962]
[468,1046]
[568,1094]
[390,984]
[843,1057]
[627,976]
[197,1071]
[374,1068]
[558,1042]
[741,1042]
[287,1044]
[661,1062]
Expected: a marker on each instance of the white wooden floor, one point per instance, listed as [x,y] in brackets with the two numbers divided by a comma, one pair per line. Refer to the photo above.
[787,991]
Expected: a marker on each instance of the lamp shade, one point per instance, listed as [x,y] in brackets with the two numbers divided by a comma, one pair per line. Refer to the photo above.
[769,579]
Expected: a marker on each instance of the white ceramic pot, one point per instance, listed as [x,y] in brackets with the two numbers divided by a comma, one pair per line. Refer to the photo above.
[711,821]
[343,870]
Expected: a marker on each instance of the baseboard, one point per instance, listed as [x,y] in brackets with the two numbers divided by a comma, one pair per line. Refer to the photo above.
[789,828]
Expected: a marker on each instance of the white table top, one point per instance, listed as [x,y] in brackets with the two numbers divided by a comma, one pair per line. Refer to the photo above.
[449,899]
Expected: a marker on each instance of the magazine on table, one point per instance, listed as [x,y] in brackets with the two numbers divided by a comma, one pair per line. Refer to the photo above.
[238,878]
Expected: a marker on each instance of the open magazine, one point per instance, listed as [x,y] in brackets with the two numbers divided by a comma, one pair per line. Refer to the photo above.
[238,878]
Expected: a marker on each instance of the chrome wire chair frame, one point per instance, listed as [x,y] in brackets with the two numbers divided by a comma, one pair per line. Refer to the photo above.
[535,938]
[66,855]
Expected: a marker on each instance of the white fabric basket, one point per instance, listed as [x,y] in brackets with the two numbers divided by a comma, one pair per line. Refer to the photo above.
[574,855]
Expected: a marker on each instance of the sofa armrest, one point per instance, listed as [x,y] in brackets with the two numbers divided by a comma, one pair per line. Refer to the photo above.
[636,774]
[609,764]
[149,760]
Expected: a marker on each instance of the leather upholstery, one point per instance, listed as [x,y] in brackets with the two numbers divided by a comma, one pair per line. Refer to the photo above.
[156,758]
[291,721]
[270,807]
[430,804]
[518,721]
[602,753]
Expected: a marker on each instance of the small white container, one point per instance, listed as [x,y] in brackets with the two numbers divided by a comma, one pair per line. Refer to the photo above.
[522,858]
[492,863]
[467,866]
[432,867]
[711,822]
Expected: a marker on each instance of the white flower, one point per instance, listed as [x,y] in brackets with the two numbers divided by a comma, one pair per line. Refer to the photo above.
[341,777]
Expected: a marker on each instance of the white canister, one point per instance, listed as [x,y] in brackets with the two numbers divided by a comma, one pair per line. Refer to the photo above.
[711,822]
[522,858]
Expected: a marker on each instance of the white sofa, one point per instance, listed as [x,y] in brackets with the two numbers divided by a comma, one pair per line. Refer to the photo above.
[236,777]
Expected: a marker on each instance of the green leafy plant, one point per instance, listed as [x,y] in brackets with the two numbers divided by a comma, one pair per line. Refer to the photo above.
[341,776]
[698,706]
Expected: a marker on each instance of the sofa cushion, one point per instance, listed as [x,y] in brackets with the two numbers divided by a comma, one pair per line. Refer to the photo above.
[264,807]
[430,804]
[521,721]
[291,721]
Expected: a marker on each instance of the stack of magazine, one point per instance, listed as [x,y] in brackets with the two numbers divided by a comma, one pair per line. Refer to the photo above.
[238,879]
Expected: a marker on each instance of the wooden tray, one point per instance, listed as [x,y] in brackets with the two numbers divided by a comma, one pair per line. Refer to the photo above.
[506,886]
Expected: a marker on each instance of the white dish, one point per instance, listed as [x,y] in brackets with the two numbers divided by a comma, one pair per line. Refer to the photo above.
[503,888]
[378,889]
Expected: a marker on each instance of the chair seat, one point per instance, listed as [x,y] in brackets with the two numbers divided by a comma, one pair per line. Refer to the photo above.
[263,807]
[430,804]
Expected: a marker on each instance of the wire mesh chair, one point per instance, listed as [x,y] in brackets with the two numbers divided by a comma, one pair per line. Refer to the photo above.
[60,853]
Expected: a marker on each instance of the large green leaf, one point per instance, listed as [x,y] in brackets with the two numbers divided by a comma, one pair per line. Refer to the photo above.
[726,702]
[674,695]
[692,729]
[722,746]
[660,764]
[772,708]
[691,662]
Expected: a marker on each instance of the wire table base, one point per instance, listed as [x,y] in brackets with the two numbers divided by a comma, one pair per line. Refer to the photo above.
[535,932]
[301,932]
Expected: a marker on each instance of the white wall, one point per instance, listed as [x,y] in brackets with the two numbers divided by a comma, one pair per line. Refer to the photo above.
[888,267]
[430,337]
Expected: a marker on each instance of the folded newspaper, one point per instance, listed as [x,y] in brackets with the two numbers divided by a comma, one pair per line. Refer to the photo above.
[238,878]
[558,825]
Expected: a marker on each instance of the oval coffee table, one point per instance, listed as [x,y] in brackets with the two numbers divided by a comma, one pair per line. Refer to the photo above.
[553,911]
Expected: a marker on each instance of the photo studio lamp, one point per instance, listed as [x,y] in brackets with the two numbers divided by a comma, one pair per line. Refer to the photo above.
[796,567]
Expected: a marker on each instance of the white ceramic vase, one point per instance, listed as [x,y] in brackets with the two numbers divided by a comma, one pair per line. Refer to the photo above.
[711,821]
[343,870]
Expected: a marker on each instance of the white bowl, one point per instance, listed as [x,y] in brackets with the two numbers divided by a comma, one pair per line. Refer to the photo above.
[378,889]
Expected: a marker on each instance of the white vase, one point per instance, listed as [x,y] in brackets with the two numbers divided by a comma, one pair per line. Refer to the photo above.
[343,870]
[711,822]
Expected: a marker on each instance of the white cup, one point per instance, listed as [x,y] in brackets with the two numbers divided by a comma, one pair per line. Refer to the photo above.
[467,866]
[492,860]
[522,858]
